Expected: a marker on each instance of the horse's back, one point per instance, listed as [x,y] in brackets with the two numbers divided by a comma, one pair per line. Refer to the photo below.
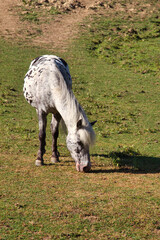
[45,76]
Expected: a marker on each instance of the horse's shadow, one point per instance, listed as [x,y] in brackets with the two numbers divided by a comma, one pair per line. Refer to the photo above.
[135,164]
[131,164]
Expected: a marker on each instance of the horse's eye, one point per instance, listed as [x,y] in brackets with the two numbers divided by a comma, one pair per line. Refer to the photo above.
[80,144]
[80,147]
[78,150]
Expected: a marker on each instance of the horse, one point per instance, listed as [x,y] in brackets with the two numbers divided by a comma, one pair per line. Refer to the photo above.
[48,88]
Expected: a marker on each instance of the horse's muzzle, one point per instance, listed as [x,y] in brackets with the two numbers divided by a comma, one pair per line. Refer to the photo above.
[83,167]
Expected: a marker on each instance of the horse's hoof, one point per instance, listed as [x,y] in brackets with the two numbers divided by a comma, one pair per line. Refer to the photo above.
[54,160]
[38,163]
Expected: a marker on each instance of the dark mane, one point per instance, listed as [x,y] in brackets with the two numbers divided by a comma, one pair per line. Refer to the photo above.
[64,62]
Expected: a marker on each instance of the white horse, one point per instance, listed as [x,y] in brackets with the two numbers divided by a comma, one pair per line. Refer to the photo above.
[48,88]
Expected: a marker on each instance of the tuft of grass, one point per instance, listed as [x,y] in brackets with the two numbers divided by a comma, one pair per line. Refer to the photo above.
[35,13]
[54,11]
[31,16]
[124,157]
[128,157]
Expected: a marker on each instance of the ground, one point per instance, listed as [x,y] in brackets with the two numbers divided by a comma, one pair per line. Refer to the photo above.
[58,32]
[55,201]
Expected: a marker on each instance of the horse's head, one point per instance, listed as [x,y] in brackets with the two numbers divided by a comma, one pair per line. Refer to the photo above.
[78,145]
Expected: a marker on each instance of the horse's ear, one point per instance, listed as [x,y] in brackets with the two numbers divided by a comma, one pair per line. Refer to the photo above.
[92,123]
[79,124]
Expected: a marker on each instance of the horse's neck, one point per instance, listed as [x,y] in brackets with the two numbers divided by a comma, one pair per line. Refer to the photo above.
[71,117]
[71,112]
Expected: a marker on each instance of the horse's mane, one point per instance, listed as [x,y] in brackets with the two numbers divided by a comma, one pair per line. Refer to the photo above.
[75,111]
[87,135]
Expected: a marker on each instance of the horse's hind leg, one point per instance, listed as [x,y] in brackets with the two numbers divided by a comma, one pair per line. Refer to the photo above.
[42,137]
[54,129]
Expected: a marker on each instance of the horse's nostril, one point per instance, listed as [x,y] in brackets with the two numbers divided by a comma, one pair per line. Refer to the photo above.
[87,169]
[83,168]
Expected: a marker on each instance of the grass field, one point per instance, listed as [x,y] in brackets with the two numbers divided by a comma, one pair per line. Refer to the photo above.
[120,197]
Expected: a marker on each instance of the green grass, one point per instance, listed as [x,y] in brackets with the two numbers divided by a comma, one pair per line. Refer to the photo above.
[119,198]
[37,13]
[131,42]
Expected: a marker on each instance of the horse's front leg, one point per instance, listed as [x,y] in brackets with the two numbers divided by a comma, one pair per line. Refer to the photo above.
[42,137]
[55,132]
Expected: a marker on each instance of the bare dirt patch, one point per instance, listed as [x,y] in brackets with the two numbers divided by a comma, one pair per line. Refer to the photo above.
[9,22]
[58,31]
